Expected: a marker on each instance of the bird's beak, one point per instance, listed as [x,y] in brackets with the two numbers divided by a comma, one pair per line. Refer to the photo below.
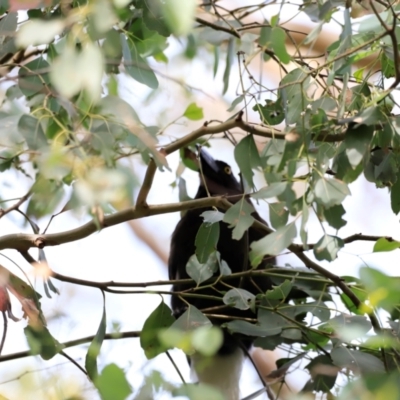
[206,159]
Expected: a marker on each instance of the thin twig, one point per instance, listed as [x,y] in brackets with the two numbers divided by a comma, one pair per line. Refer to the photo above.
[15,205]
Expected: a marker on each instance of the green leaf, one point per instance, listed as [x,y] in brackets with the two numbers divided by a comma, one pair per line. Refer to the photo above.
[235,102]
[191,319]
[206,241]
[304,219]
[321,382]
[197,391]
[136,66]
[112,383]
[295,83]
[229,61]
[316,308]
[274,322]
[247,158]
[41,342]
[333,216]
[357,142]
[362,296]
[279,292]
[239,217]
[179,15]
[384,244]
[95,346]
[356,361]
[330,192]
[31,129]
[213,216]
[193,112]
[238,298]
[382,289]
[153,16]
[278,215]
[272,244]
[395,196]
[46,196]
[327,247]
[201,272]
[272,113]
[272,190]
[278,39]
[33,76]
[348,327]
[161,318]
[8,26]
[248,329]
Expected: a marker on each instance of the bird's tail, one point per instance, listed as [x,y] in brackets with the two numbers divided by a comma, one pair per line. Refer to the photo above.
[220,371]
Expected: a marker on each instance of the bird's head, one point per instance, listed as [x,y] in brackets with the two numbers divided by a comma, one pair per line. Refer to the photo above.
[215,175]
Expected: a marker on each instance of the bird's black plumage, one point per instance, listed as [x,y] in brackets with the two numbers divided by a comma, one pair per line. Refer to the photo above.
[216,178]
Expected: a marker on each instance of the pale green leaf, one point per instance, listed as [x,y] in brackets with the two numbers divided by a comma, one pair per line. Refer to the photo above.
[327,247]
[330,192]
[238,298]
[272,244]
[384,244]
[201,272]
[239,217]
[272,190]
[207,340]
[193,112]
[112,383]
[38,31]
[179,15]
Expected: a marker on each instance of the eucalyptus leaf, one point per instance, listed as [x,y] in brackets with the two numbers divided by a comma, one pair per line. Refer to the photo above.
[272,244]
[238,298]
[206,241]
[239,218]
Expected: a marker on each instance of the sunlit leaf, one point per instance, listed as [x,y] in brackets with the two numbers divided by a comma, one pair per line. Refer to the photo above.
[193,112]
[207,340]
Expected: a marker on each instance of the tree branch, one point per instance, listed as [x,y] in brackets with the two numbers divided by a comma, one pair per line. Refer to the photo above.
[72,343]
[23,241]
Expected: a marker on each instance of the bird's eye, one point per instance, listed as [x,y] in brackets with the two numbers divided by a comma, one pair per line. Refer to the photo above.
[228,170]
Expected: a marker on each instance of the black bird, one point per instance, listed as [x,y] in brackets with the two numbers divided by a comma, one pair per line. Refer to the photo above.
[216,179]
